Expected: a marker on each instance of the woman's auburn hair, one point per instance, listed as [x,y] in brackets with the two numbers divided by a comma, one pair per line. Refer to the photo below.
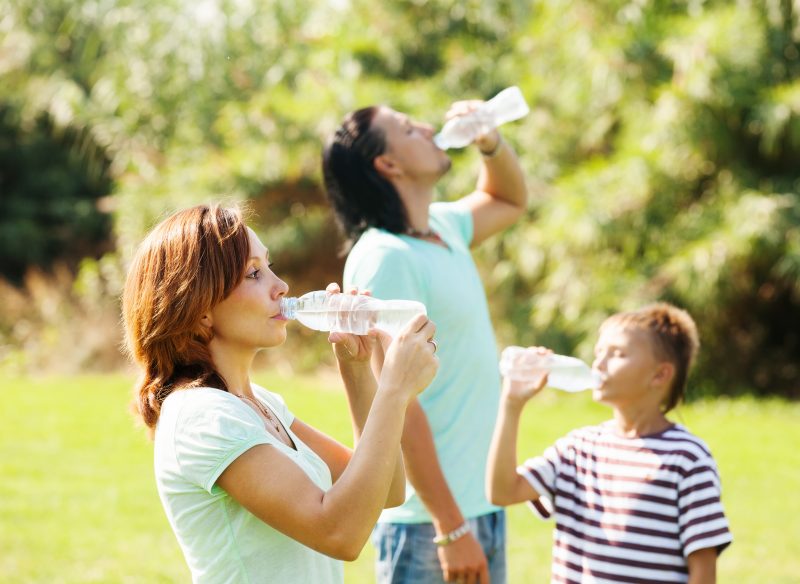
[185,266]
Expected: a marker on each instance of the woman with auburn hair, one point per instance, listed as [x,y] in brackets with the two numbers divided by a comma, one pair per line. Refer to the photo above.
[252,493]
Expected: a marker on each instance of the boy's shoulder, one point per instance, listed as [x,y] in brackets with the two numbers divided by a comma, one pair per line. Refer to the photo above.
[676,439]
[680,438]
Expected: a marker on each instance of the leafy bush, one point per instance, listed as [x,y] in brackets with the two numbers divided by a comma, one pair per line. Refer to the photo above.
[661,150]
[51,181]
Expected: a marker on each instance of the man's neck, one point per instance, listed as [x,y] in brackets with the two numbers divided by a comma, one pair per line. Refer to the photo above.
[416,199]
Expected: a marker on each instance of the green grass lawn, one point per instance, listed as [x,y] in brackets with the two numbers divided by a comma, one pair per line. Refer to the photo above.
[78,502]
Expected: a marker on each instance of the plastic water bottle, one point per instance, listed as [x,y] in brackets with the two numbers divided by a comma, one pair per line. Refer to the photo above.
[564,373]
[348,313]
[506,106]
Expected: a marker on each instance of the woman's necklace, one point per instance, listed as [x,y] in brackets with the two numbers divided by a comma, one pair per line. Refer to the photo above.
[261,408]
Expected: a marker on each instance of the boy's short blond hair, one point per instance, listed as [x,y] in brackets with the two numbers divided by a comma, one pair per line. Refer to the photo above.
[674,336]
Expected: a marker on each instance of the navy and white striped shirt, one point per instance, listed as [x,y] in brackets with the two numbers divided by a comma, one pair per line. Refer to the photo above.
[628,509]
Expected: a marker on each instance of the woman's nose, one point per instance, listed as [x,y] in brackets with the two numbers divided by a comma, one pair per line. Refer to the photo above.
[280,288]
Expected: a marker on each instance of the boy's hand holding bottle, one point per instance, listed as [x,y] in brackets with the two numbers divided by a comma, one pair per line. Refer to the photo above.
[517,388]
[527,370]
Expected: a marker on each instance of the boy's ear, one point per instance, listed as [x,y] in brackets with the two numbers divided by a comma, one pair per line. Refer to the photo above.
[664,373]
[386,167]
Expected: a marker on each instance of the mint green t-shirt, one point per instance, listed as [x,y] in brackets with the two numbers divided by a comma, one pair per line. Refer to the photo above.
[461,402]
[199,433]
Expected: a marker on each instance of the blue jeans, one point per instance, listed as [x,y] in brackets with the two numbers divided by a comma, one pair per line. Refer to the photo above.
[406,553]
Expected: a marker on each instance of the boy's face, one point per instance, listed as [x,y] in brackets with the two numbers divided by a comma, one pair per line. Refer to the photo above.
[630,371]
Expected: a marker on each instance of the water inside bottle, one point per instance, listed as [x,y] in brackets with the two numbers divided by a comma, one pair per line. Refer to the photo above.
[355,314]
[564,372]
[339,312]
[396,315]
[571,374]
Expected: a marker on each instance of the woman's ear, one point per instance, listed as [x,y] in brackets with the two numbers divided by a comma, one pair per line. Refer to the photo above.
[206,321]
[386,167]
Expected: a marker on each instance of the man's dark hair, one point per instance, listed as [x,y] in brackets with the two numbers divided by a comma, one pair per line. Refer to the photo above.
[360,196]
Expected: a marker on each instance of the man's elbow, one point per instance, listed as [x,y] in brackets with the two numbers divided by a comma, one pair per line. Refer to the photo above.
[520,208]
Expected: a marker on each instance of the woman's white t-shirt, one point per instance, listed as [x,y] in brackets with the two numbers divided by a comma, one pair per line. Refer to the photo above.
[199,433]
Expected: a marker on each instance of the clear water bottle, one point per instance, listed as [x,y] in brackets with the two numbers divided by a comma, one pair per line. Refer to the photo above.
[348,313]
[564,373]
[506,106]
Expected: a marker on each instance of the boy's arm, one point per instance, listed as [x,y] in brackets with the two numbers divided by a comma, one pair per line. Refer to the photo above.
[703,566]
[504,486]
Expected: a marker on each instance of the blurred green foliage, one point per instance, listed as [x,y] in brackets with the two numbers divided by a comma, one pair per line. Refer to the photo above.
[661,149]
[51,182]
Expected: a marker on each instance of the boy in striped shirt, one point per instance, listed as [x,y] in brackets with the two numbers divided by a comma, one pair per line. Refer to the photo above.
[637,498]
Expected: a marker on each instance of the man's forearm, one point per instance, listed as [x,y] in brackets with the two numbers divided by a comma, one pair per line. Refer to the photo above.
[501,176]
[425,473]
[361,386]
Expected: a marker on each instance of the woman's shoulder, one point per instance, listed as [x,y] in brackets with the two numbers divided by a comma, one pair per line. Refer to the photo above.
[197,396]
[207,415]
[202,402]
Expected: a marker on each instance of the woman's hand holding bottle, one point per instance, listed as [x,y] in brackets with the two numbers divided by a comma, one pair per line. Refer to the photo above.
[410,363]
[348,348]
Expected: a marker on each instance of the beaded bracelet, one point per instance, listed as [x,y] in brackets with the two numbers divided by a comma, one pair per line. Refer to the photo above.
[448,538]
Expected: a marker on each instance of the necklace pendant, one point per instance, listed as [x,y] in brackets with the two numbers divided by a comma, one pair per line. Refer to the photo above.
[265,412]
